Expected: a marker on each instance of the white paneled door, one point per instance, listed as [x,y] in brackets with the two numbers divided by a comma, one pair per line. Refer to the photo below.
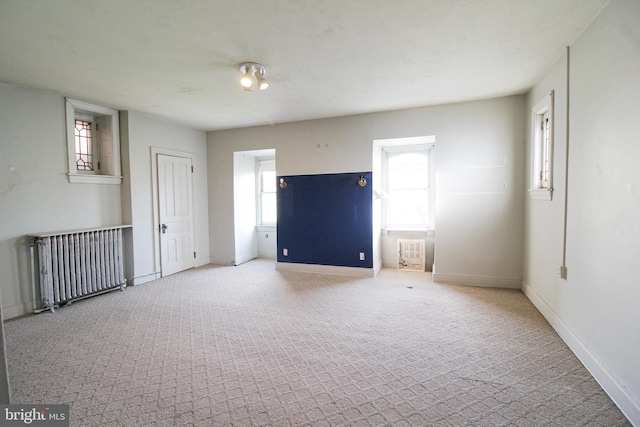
[175,202]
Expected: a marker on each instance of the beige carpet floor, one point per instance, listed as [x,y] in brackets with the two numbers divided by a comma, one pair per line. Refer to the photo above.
[251,346]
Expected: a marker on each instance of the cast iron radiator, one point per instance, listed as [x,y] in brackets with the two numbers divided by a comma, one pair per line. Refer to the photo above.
[76,264]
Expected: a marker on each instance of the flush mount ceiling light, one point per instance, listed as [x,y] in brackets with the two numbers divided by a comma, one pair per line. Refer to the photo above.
[253,76]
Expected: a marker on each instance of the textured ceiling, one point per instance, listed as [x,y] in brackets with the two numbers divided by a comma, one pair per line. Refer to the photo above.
[179,59]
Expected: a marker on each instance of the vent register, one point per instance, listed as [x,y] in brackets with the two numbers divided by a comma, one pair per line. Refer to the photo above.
[411,254]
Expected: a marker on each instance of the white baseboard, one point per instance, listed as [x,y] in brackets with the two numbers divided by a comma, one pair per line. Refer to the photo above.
[200,261]
[16,310]
[144,279]
[492,282]
[377,266]
[615,390]
[325,269]
[220,261]
[246,258]
[268,255]
[390,262]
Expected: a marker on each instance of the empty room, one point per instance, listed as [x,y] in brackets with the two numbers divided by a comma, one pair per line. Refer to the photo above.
[292,212]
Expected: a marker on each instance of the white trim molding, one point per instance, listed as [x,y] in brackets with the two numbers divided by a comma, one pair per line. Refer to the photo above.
[489,282]
[326,269]
[616,391]
[145,279]
[245,258]
[17,310]
[200,261]
[79,178]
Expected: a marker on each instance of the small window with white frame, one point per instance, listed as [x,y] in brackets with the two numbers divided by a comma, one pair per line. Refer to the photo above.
[266,183]
[542,149]
[93,143]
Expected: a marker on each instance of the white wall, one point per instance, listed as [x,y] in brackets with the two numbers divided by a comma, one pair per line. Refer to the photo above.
[596,309]
[35,193]
[480,193]
[482,248]
[142,133]
[544,218]
[267,242]
[244,224]
[36,196]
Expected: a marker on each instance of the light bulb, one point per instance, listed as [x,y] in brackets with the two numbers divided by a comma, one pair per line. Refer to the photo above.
[247,79]
[262,83]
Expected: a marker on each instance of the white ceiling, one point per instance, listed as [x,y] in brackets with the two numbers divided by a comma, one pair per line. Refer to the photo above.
[179,59]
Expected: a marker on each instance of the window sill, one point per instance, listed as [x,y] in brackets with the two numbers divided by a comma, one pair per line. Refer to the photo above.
[94,179]
[407,230]
[541,194]
[270,228]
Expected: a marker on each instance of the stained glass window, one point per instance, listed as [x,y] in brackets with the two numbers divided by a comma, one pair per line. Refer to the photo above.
[84,145]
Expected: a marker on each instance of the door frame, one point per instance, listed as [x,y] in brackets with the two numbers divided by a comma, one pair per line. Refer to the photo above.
[157,261]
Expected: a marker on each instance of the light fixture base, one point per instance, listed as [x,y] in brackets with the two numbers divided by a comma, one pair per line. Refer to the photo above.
[247,67]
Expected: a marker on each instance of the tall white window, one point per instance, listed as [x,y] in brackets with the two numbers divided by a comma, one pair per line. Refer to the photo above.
[267,214]
[408,186]
[542,149]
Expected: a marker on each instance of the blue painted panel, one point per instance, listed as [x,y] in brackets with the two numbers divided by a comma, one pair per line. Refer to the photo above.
[326,219]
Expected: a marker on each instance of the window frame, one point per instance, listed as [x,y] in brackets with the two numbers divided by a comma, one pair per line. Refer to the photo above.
[259,168]
[106,144]
[541,185]
[427,149]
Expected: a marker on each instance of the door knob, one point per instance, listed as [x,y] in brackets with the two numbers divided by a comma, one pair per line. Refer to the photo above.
[164,228]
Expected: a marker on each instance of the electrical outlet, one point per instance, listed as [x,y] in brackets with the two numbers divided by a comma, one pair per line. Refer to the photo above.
[563,272]
[361,256]
[285,252]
